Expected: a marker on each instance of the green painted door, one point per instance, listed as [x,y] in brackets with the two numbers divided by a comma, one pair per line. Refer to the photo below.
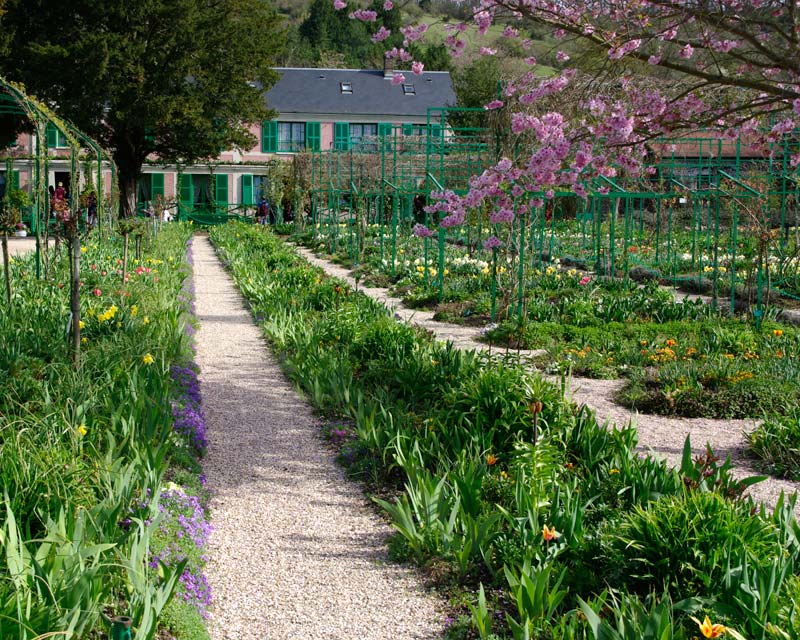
[221,193]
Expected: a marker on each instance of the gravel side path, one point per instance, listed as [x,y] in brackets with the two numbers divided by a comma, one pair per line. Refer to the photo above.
[296,550]
[18,246]
[662,435]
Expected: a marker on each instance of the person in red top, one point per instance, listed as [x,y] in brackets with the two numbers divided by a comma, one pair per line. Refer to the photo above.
[60,192]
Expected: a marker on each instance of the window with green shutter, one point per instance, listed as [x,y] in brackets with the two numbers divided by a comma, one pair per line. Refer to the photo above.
[247,189]
[269,137]
[55,138]
[187,190]
[156,185]
[221,188]
[51,133]
[15,179]
[313,136]
[408,129]
[385,129]
[341,136]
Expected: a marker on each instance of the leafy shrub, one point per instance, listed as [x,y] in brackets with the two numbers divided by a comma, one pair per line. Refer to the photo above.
[684,542]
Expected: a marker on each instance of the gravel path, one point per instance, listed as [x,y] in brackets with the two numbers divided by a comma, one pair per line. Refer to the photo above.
[296,552]
[662,435]
[18,246]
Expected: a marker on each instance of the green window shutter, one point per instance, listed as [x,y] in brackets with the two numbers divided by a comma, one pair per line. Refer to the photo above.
[269,137]
[52,135]
[247,189]
[187,190]
[385,129]
[15,179]
[313,136]
[221,188]
[156,185]
[408,129]
[341,136]
[436,132]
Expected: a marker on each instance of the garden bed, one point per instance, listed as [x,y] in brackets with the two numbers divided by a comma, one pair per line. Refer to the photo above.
[681,358]
[505,490]
[99,461]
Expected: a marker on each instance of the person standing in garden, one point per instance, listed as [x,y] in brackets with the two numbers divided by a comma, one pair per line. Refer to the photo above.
[263,210]
[60,193]
[91,210]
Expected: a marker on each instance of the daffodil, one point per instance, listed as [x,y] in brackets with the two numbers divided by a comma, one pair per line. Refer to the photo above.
[148,359]
[82,430]
[709,630]
[146,320]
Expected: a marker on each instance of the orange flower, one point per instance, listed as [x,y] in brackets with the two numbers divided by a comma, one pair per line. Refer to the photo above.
[491,459]
[777,332]
[550,533]
[671,343]
[709,630]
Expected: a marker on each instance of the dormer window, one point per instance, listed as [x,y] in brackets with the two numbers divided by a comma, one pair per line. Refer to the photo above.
[408,90]
[346,88]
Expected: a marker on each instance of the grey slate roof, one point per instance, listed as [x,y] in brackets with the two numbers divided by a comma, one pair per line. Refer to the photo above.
[315,91]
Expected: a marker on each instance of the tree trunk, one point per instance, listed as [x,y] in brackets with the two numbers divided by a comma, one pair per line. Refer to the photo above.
[128,187]
[7,268]
[75,295]
[129,166]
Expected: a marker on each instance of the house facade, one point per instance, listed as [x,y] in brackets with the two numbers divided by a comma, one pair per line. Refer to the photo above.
[317,110]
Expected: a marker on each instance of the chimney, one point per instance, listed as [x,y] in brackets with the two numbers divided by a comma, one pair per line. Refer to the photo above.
[388,68]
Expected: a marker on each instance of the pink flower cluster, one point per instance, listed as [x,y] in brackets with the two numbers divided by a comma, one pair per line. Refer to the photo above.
[401,54]
[381,34]
[365,15]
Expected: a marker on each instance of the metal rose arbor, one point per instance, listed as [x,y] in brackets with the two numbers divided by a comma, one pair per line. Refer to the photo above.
[24,113]
[668,147]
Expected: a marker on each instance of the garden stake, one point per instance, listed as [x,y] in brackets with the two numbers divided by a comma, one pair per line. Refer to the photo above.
[121,628]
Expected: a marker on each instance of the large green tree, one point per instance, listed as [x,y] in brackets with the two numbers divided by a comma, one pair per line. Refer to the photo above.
[178,78]
[328,30]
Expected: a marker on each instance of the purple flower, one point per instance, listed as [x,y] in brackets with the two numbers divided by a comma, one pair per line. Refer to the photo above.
[421,231]
[492,242]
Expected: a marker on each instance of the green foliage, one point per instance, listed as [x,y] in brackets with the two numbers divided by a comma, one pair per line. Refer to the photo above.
[83,451]
[684,542]
[327,30]
[489,476]
[777,442]
[632,619]
[183,621]
[147,76]
[476,85]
